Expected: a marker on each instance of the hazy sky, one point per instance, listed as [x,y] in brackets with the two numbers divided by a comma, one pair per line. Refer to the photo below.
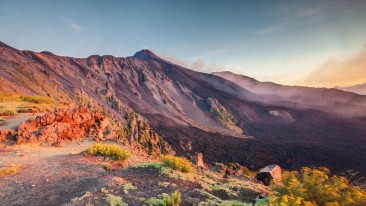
[282,41]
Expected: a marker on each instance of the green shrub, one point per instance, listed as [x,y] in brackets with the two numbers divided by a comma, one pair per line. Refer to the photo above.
[172,200]
[168,200]
[115,200]
[144,165]
[177,163]
[234,203]
[153,201]
[261,201]
[313,187]
[112,151]
[127,187]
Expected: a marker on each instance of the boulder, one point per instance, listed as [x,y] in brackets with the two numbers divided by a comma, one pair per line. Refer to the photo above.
[218,167]
[234,169]
[269,173]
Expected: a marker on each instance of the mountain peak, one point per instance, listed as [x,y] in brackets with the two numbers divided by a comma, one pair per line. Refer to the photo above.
[145,54]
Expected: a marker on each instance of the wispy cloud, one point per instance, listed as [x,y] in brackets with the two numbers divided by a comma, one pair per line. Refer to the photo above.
[197,65]
[73,25]
[269,29]
[335,72]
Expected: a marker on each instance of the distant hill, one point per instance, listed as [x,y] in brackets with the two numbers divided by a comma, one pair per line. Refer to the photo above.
[359,89]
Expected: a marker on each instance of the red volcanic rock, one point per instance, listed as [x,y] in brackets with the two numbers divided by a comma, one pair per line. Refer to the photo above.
[198,159]
[62,124]
[103,123]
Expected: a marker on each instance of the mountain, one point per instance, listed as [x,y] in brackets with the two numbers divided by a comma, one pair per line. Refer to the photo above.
[324,99]
[358,89]
[228,120]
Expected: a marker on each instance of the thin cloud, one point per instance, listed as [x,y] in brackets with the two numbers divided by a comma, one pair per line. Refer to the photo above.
[73,25]
[269,29]
[197,65]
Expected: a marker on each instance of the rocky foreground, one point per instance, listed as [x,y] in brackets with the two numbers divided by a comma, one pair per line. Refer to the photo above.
[47,154]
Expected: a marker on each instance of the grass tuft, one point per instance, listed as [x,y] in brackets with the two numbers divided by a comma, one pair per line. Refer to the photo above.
[112,151]
[177,163]
[8,170]
[115,200]
[38,99]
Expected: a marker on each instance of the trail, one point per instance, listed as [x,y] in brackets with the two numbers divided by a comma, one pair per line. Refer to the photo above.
[49,175]
[15,121]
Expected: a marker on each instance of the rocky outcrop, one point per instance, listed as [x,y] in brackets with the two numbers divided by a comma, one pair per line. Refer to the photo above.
[218,168]
[62,124]
[269,173]
[139,135]
[223,116]
[197,159]
[234,169]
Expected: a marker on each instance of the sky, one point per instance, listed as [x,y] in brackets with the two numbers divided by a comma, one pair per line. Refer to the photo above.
[281,41]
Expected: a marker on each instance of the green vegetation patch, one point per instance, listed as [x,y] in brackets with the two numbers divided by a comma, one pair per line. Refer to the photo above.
[112,151]
[115,200]
[127,187]
[155,165]
[177,163]
[173,199]
[313,187]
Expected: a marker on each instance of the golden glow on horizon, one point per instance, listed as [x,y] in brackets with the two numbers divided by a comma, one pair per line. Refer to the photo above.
[339,73]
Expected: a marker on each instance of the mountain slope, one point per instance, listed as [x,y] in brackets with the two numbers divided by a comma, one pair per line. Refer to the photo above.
[197,112]
[330,100]
[358,89]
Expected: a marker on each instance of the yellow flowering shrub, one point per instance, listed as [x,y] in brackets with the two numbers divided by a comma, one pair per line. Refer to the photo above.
[312,187]
[177,163]
[109,150]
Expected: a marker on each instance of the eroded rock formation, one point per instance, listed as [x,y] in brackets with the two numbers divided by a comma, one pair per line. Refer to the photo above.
[62,124]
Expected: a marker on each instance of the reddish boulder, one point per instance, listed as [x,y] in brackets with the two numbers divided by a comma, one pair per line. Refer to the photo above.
[269,173]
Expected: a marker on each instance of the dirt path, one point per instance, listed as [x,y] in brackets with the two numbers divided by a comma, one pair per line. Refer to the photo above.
[49,175]
[15,121]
